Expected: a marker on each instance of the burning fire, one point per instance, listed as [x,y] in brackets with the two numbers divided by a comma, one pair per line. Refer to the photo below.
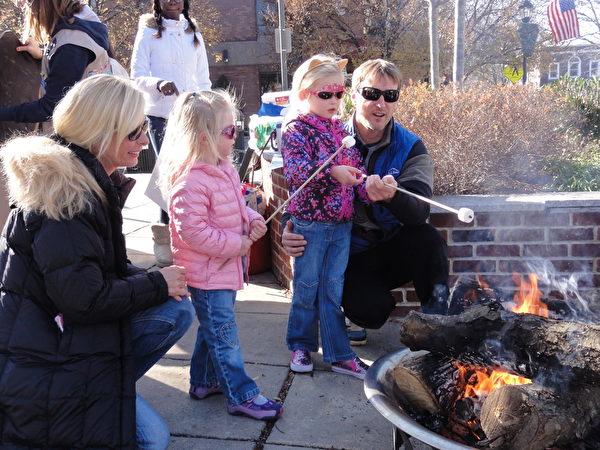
[528,297]
[480,383]
[527,300]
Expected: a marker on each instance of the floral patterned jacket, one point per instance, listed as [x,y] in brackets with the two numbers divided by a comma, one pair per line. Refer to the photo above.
[307,142]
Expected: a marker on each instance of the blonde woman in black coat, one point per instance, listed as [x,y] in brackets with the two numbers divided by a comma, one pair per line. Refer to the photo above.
[79,324]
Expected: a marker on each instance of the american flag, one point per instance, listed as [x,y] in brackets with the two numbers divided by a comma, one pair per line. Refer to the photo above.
[563,20]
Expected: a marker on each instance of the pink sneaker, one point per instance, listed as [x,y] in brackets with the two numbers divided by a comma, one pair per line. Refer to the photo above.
[355,367]
[200,392]
[270,410]
[301,361]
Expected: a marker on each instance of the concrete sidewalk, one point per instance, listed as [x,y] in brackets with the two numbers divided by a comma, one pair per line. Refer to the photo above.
[323,410]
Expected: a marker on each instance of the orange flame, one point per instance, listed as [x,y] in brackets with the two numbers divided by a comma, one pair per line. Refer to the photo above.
[528,297]
[481,383]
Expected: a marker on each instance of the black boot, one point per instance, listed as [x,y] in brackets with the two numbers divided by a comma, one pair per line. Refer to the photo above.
[438,302]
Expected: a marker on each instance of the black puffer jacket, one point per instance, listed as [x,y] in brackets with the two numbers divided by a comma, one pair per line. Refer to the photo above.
[75,388]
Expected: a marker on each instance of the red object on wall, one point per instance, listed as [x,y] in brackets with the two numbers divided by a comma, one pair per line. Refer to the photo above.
[260,255]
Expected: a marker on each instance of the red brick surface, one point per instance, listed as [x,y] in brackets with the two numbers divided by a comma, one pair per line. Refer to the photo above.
[495,246]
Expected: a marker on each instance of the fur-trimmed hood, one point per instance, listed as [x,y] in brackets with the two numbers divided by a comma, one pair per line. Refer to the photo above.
[47,178]
[148,21]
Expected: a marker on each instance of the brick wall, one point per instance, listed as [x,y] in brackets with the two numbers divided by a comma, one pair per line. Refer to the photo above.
[244,82]
[554,233]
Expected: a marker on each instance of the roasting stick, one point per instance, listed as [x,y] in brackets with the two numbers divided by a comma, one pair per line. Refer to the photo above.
[464,214]
[347,142]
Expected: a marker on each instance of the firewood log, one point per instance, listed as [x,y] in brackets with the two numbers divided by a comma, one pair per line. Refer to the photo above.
[554,352]
[430,383]
[532,417]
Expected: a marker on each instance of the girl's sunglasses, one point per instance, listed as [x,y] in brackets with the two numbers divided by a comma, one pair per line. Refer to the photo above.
[327,95]
[135,134]
[229,131]
[373,94]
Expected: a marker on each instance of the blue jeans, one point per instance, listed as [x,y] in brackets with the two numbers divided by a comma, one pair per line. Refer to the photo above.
[217,356]
[318,285]
[154,332]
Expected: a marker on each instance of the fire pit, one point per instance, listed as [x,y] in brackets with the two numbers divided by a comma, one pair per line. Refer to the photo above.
[493,376]
[379,389]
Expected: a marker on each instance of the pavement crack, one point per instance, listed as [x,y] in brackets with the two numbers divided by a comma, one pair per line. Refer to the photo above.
[268,428]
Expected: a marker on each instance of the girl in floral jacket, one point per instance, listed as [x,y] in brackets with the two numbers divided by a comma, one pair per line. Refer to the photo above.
[322,213]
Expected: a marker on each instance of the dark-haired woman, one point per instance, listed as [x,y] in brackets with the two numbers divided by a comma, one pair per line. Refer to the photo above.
[76,46]
[168,58]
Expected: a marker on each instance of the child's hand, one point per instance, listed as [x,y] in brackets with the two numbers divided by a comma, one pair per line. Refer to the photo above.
[246,243]
[32,47]
[257,230]
[347,175]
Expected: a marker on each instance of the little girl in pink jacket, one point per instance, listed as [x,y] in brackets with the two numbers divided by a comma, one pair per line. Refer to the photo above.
[212,230]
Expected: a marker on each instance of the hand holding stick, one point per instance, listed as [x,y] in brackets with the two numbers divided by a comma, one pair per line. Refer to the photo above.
[347,142]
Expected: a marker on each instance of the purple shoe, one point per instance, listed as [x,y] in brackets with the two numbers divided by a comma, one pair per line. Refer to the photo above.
[200,392]
[268,411]
[301,361]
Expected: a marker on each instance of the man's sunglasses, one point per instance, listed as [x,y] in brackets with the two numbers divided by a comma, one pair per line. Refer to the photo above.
[135,134]
[373,94]
[229,131]
[327,95]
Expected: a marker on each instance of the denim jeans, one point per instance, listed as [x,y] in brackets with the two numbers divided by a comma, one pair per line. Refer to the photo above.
[318,285]
[217,356]
[154,332]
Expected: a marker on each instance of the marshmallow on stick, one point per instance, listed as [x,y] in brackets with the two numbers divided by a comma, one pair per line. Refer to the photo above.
[347,142]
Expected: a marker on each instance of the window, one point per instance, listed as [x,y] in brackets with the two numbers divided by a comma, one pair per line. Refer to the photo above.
[595,68]
[554,71]
[574,67]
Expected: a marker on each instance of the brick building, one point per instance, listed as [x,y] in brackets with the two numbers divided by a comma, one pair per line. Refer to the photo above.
[246,58]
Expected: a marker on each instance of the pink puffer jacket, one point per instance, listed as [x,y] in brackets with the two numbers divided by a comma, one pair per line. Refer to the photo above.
[208,217]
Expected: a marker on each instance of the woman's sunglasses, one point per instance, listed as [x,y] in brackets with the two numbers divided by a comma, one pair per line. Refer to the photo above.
[327,95]
[135,134]
[229,131]
[373,94]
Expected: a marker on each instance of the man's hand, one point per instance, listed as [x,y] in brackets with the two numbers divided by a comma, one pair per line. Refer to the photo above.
[293,244]
[257,229]
[347,175]
[377,191]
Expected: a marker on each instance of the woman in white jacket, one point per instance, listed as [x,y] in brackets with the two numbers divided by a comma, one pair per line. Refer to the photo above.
[169,58]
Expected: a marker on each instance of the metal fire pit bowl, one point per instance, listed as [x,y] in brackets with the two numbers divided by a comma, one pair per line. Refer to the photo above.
[379,388]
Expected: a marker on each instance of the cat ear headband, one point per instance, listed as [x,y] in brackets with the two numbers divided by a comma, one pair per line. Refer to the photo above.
[341,64]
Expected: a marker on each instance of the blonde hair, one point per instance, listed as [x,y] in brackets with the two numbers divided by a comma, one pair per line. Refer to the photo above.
[375,68]
[99,112]
[42,16]
[194,115]
[47,178]
[311,71]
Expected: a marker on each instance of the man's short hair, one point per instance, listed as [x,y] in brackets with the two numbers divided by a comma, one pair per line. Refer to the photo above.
[375,68]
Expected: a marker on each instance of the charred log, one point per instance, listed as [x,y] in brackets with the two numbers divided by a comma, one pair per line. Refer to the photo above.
[429,383]
[553,352]
[531,417]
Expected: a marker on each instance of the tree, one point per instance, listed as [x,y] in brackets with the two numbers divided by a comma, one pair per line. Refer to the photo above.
[357,30]
[434,47]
